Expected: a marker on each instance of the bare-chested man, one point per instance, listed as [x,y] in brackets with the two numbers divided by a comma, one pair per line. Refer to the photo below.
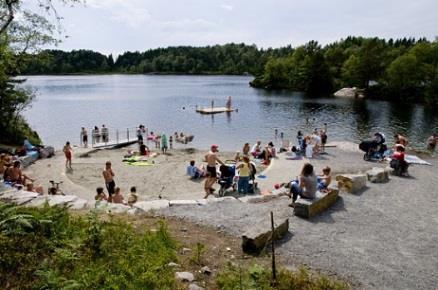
[14,175]
[108,175]
[211,159]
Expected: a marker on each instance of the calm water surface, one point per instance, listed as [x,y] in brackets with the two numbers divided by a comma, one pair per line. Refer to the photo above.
[66,103]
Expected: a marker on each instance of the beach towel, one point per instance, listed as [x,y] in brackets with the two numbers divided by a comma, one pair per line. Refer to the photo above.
[141,163]
[261,176]
[413,159]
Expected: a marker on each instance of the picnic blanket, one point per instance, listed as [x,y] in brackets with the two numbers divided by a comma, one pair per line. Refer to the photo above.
[413,159]
[138,161]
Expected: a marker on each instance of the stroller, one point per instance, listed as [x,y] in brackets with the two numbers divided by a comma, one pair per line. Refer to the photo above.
[374,149]
[226,179]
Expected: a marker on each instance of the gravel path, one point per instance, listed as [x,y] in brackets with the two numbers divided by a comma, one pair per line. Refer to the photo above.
[383,238]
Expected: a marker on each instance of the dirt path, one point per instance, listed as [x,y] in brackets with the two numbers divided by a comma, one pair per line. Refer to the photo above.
[383,238]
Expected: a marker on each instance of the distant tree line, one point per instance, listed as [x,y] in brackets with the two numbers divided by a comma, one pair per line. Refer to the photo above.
[403,69]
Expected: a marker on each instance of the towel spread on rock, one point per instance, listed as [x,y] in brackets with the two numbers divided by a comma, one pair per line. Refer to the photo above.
[412,159]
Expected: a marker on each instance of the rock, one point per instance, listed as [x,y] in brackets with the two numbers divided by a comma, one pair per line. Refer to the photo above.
[349,93]
[182,202]
[205,270]
[117,208]
[193,286]
[308,208]
[351,182]
[147,206]
[18,197]
[228,249]
[173,265]
[134,211]
[221,199]
[201,201]
[378,175]
[79,204]
[61,200]
[37,201]
[185,250]
[257,237]
[258,198]
[184,276]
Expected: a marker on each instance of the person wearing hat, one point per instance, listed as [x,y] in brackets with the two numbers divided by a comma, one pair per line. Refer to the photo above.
[211,158]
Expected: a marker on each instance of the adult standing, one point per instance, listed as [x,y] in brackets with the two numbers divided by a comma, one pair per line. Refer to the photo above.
[108,176]
[164,143]
[96,135]
[246,148]
[104,132]
[68,155]
[211,158]
[228,103]
[432,141]
[140,133]
[84,137]
[306,186]
[244,169]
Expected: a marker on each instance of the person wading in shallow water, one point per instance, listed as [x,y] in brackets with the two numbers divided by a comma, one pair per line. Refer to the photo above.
[211,159]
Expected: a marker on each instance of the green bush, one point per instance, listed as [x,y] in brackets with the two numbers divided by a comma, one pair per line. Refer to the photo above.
[257,277]
[51,249]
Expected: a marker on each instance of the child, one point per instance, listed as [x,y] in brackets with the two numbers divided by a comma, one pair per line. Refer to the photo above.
[324,180]
[100,195]
[117,196]
[67,152]
[133,196]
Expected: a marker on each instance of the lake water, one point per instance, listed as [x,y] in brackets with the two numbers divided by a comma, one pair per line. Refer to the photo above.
[66,103]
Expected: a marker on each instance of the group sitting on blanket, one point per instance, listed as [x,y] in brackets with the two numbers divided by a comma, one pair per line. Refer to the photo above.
[265,154]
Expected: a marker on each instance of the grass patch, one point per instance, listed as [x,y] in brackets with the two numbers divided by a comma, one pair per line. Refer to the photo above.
[51,249]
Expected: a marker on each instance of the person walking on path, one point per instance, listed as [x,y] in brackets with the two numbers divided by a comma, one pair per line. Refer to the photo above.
[108,176]
[211,158]
[68,155]
[84,137]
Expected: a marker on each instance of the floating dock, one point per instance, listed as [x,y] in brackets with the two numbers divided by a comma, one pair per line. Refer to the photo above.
[215,110]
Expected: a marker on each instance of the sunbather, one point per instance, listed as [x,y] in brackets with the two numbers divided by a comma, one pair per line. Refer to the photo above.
[14,175]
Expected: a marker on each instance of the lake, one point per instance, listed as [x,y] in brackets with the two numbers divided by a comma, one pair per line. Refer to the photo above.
[167,104]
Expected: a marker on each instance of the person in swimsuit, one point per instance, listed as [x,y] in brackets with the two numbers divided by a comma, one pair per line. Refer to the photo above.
[211,159]
[15,176]
[84,137]
[67,152]
[108,175]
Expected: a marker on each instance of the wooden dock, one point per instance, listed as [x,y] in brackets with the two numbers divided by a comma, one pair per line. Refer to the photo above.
[215,110]
[114,144]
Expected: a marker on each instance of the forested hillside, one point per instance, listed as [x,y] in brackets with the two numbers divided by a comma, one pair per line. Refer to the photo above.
[402,69]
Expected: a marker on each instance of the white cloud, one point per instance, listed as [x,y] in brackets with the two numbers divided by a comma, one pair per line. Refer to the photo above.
[227,7]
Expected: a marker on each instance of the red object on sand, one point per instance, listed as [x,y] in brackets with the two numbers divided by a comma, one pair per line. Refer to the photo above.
[277,186]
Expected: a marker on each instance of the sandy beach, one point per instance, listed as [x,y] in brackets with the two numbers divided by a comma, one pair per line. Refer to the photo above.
[383,237]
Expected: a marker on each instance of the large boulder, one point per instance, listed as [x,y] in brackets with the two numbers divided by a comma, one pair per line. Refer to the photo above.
[311,207]
[79,204]
[18,196]
[259,235]
[184,276]
[117,208]
[61,200]
[183,202]
[351,183]
[147,206]
[378,175]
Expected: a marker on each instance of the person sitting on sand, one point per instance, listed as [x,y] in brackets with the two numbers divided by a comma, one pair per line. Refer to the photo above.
[431,142]
[246,148]
[272,150]
[306,186]
[31,188]
[5,162]
[256,149]
[117,196]
[133,197]
[265,156]
[14,175]
[194,172]
[211,159]
[144,150]
[398,162]
[324,179]
[100,195]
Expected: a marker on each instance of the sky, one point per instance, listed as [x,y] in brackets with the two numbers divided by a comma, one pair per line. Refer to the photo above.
[116,26]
